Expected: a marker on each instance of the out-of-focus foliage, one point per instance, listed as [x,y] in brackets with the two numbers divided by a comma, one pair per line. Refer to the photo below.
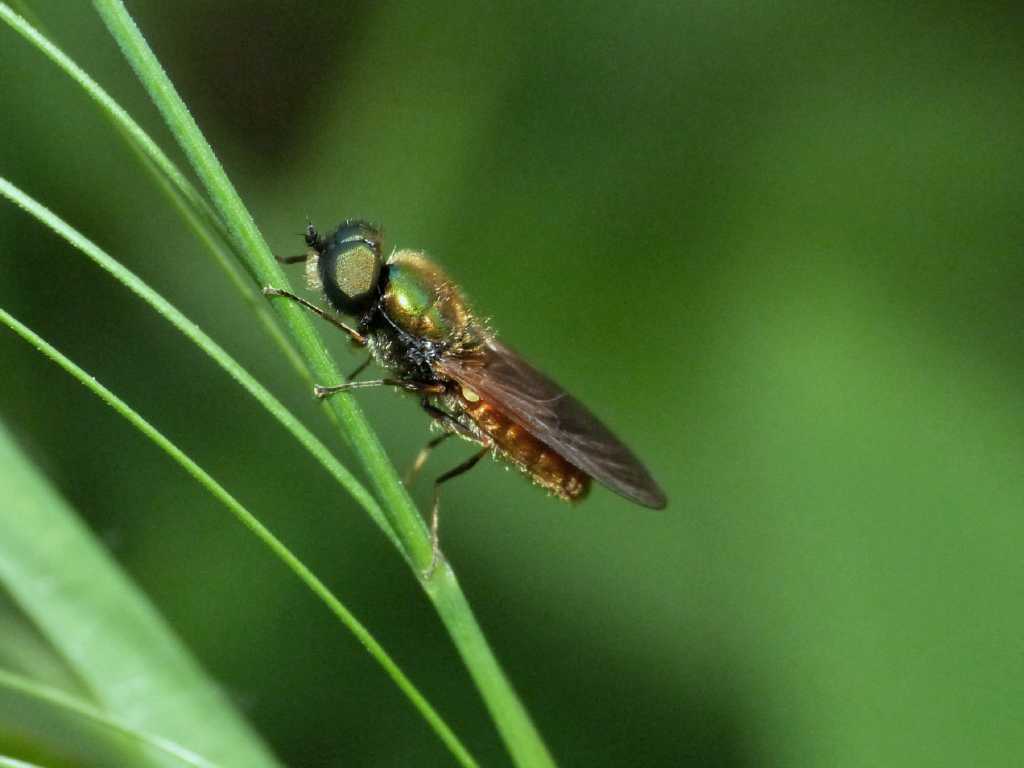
[779,248]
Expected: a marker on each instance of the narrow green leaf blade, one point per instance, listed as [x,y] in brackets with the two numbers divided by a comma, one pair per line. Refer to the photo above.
[55,702]
[194,209]
[257,528]
[106,629]
[521,737]
[10,762]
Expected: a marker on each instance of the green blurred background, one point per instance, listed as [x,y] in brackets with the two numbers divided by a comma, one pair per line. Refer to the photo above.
[778,248]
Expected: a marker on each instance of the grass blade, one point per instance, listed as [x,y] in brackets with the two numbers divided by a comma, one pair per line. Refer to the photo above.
[10,762]
[250,245]
[135,284]
[513,722]
[121,118]
[62,700]
[259,530]
[192,206]
[103,626]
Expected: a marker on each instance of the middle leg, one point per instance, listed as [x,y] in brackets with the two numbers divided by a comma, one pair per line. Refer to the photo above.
[360,368]
[461,469]
[409,386]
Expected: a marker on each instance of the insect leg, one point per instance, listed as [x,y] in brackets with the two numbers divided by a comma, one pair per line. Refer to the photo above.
[356,336]
[408,386]
[360,368]
[421,457]
[291,259]
[447,420]
[451,427]
[468,464]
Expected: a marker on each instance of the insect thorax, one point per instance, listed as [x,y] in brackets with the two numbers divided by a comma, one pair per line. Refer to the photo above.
[420,318]
[406,355]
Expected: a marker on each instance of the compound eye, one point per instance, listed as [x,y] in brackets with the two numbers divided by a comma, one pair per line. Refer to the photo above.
[357,270]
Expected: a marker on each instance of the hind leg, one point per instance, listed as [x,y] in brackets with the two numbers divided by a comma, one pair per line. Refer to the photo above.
[451,427]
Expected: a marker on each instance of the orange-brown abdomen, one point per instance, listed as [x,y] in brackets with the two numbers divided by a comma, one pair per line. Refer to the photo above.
[514,443]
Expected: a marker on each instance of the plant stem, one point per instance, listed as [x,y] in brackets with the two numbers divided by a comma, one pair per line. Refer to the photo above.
[249,243]
[261,532]
[169,312]
[193,207]
[521,737]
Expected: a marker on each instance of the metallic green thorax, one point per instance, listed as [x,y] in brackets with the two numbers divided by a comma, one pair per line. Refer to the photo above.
[421,300]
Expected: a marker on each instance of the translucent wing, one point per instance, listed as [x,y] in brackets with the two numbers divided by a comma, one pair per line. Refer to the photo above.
[501,377]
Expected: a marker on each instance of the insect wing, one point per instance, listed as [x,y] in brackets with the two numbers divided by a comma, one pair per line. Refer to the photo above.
[556,418]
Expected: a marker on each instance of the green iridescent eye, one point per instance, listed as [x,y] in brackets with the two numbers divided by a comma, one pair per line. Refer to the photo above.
[356,271]
[349,267]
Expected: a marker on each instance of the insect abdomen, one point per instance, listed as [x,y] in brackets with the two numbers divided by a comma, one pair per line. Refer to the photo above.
[514,443]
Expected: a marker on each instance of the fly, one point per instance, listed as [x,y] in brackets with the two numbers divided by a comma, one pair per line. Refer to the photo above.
[417,324]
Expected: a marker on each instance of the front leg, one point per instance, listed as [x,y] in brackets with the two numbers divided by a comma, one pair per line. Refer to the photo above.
[357,338]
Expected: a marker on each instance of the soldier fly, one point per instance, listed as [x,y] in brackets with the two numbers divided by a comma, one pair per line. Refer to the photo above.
[417,324]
